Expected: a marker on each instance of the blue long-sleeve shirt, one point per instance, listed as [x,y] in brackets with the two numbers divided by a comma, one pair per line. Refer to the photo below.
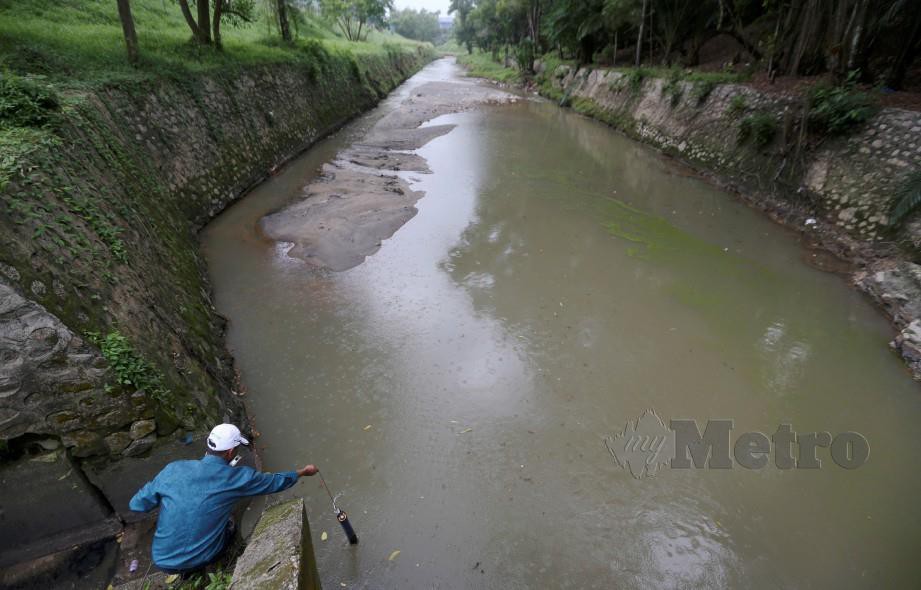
[196,499]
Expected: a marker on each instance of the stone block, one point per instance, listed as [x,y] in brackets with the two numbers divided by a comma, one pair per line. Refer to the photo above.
[279,554]
[84,443]
[41,497]
[140,446]
[117,442]
[142,428]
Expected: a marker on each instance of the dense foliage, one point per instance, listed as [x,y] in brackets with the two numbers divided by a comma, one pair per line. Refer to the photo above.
[879,38]
[420,25]
[356,17]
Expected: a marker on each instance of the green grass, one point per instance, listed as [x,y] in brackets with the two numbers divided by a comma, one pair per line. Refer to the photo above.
[450,47]
[481,65]
[685,75]
[75,43]
[52,52]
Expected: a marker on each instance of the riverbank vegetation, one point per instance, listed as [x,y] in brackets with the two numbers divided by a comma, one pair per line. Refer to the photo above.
[875,43]
[80,43]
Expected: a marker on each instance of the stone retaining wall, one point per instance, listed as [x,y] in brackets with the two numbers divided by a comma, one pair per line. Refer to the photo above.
[850,180]
[110,344]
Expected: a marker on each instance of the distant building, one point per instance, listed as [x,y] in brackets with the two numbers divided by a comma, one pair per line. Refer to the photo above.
[445,22]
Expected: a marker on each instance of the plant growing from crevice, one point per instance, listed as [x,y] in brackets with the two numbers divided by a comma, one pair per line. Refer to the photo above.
[737,105]
[907,200]
[672,87]
[837,110]
[97,220]
[635,79]
[702,90]
[760,128]
[131,370]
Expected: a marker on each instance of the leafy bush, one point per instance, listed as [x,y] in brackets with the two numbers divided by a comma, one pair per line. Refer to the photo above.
[760,127]
[636,77]
[908,198]
[737,105]
[26,103]
[836,110]
[672,87]
[702,90]
[130,369]
[524,55]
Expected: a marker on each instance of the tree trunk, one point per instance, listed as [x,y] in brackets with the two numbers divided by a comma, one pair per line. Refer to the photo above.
[204,14]
[283,20]
[534,14]
[614,55]
[216,23]
[652,48]
[184,6]
[908,52]
[131,38]
[855,52]
[774,43]
[639,38]
[835,46]
[586,49]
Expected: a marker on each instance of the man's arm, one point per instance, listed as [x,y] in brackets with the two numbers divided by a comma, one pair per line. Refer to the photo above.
[146,499]
[257,483]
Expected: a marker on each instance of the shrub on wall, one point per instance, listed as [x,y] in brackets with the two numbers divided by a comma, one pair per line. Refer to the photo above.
[758,127]
[836,110]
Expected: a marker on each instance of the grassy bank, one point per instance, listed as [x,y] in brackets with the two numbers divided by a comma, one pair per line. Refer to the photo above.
[80,42]
[482,65]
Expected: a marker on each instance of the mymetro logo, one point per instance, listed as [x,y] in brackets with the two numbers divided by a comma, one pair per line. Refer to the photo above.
[647,445]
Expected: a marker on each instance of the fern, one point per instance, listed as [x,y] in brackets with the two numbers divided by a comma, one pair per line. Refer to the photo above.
[907,200]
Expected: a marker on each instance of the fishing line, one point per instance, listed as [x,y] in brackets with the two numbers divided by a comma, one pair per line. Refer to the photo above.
[341,516]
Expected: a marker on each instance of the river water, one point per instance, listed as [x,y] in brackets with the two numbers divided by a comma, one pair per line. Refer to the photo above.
[459,385]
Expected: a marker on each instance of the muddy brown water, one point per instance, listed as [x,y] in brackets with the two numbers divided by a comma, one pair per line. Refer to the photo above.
[559,279]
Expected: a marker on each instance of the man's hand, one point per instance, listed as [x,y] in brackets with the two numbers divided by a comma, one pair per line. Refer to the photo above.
[307,471]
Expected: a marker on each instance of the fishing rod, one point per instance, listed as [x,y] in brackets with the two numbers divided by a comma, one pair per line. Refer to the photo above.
[341,516]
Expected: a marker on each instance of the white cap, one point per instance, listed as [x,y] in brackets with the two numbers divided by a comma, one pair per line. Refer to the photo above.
[224,437]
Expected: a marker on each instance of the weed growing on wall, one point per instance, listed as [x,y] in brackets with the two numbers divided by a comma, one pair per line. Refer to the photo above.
[759,127]
[738,104]
[908,198]
[131,370]
[100,223]
[836,110]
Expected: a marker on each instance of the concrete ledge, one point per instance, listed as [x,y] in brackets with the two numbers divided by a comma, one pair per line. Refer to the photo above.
[279,554]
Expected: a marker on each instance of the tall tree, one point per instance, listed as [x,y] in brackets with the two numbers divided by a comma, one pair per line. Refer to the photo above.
[463,29]
[204,17]
[195,26]
[283,20]
[355,17]
[131,38]
[639,39]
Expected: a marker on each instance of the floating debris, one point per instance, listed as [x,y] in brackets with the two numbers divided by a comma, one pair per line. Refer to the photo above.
[393,555]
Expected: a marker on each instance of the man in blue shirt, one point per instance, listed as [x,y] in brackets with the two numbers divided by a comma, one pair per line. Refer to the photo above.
[197,497]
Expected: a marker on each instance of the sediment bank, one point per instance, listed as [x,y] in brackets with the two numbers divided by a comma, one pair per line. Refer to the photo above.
[361,199]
